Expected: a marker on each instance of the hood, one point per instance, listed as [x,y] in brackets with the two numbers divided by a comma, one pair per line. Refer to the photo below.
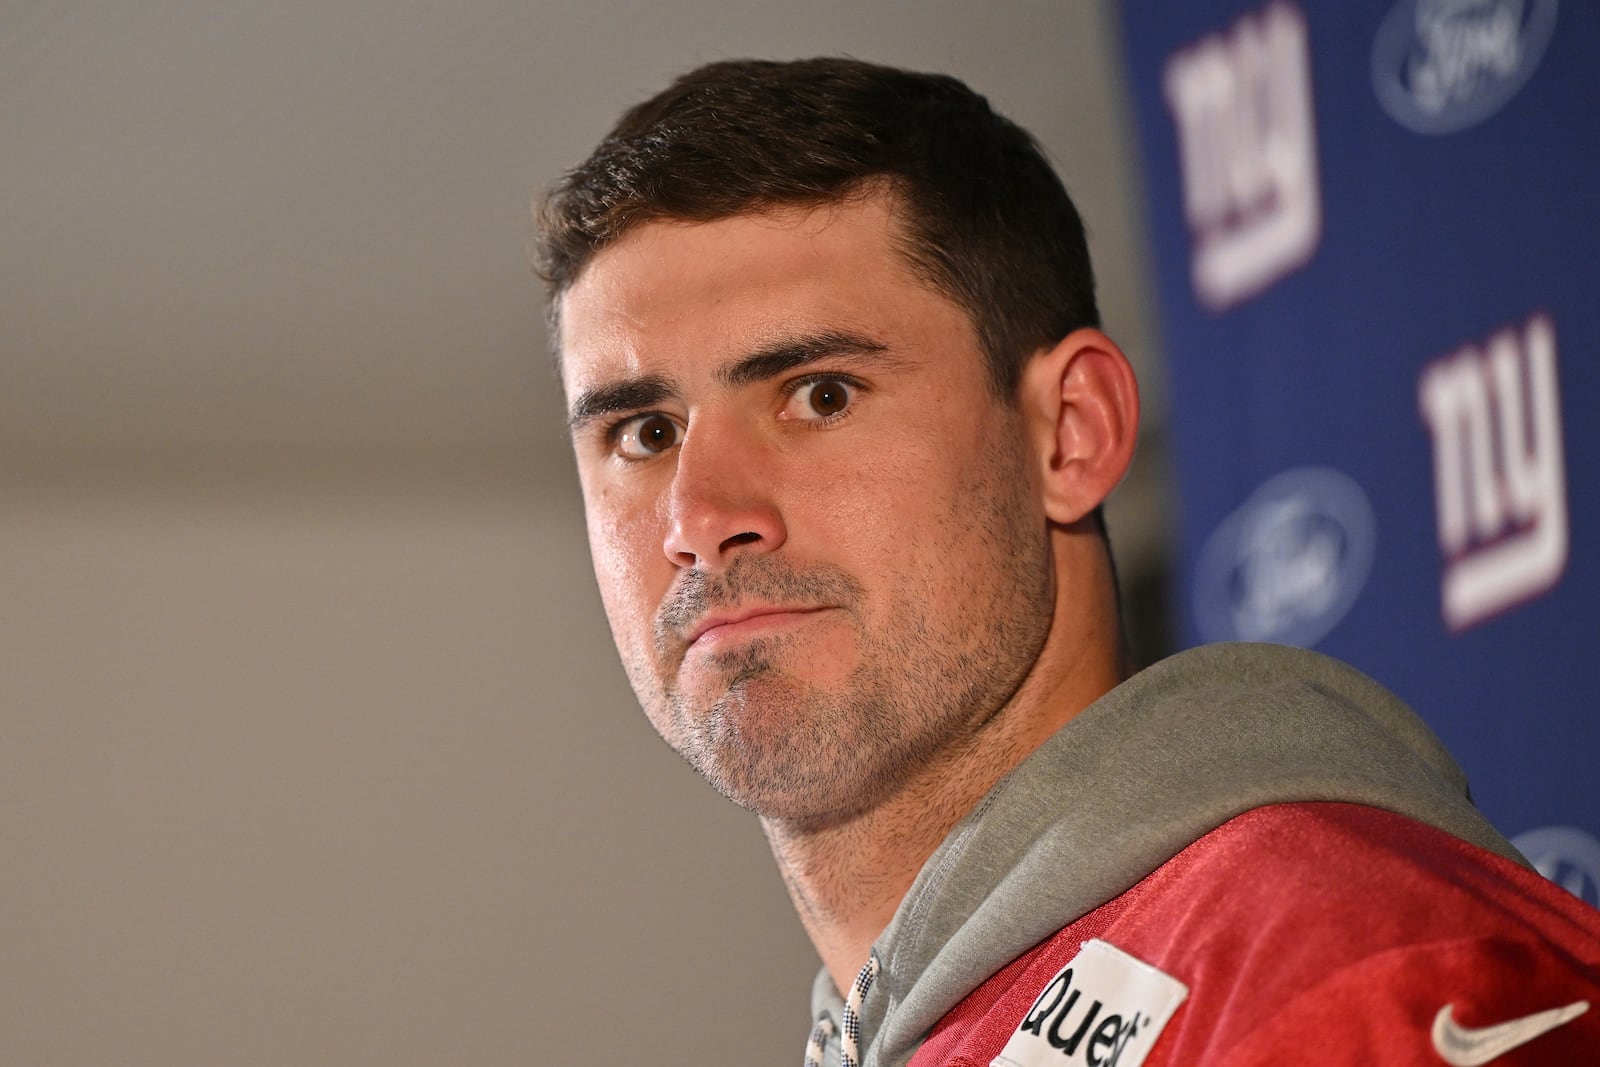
[1163,759]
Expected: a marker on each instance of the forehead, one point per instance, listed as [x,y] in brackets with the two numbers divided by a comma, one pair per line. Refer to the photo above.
[701,292]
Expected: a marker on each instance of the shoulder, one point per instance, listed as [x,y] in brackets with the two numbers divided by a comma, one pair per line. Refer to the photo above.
[1342,881]
[1298,923]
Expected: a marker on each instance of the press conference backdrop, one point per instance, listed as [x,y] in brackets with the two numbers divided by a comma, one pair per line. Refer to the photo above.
[1376,226]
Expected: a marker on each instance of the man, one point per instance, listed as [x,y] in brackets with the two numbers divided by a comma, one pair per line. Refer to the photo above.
[844,421]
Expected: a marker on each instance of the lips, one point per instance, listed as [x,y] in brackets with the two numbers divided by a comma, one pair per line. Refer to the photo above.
[719,626]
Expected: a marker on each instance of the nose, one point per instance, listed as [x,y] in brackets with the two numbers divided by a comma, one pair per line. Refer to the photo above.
[723,500]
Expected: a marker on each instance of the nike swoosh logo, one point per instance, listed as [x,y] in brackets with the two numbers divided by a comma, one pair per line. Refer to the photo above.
[1461,1047]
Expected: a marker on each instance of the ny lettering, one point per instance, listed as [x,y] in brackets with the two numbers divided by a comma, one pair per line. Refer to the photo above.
[1247,150]
[1499,471]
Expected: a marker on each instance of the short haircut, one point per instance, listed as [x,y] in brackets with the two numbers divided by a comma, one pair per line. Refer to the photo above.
[985,220]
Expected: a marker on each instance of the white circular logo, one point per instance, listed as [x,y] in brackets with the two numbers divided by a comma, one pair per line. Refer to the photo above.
[1567,856]
[1289,563]
[1439,66]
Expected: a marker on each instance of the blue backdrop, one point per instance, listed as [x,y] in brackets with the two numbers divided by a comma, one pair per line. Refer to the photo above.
[1376,225]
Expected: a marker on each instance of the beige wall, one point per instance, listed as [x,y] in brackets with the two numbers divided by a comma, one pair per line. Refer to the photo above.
[352,777]
[313,748]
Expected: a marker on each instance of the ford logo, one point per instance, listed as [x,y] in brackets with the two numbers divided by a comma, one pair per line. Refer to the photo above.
[1439,66]
[1565,855]
[1288,564]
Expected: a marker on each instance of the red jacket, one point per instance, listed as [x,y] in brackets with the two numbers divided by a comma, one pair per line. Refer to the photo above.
[1323,933]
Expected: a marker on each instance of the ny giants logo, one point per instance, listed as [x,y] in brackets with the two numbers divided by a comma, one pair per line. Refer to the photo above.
[1241,101]
[1494,413]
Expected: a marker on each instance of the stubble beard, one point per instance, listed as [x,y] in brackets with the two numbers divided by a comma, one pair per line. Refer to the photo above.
[769,740]
[793,752]
[809,757]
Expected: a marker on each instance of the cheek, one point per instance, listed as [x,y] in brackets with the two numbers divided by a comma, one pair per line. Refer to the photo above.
[625,547]
[891,493]
[948,512]
[879,516]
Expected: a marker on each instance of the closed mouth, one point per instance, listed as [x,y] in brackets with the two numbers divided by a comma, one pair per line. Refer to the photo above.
[717,625]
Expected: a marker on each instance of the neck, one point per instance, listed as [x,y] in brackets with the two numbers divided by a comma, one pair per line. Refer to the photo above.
[847,880]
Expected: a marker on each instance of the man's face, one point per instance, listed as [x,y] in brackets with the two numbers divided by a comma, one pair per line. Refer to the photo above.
[816,532]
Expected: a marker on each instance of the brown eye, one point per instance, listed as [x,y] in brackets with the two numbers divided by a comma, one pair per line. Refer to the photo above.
[827,397]
[646,436]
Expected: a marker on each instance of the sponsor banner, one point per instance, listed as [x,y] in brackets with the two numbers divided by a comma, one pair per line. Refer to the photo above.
[1373,224]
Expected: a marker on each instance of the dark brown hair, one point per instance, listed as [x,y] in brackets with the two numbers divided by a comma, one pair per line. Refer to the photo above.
[986,221]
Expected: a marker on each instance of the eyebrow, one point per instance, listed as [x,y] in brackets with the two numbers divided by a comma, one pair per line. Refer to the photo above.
[629,395]
[767,361]
[790,353]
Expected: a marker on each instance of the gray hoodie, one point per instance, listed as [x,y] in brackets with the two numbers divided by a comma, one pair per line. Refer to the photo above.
[1161,760]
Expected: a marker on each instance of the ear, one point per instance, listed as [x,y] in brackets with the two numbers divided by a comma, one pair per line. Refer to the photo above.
[1081,405]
